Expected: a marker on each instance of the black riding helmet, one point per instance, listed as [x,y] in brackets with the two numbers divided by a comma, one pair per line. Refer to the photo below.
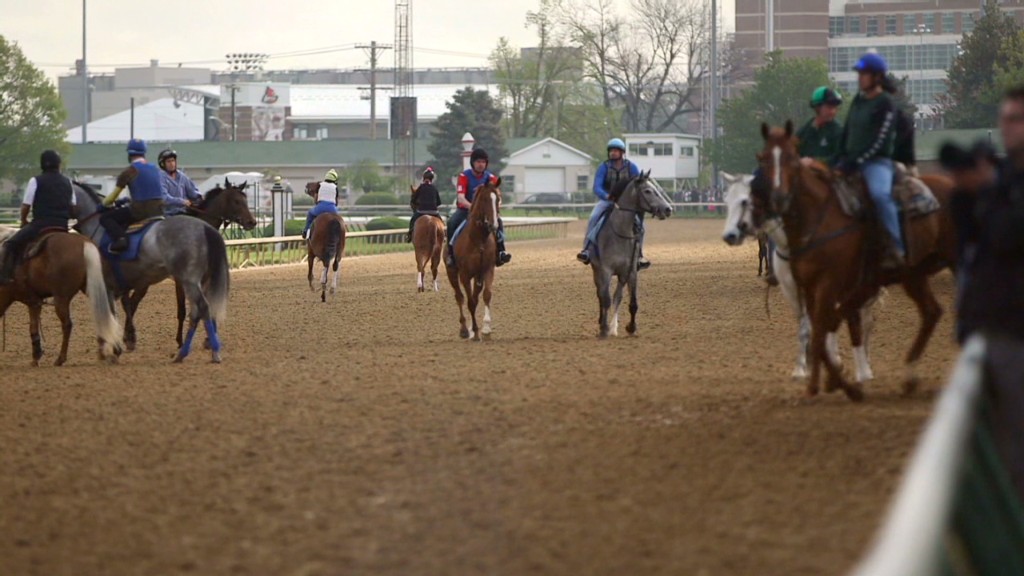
[49,160]
[428,174]
[478,154]
[164,155]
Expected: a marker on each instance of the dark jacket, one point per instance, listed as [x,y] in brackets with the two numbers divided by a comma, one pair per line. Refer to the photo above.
[52,203]
[820,143]
[870,130]
[990,229]
[426,198]
[903,148]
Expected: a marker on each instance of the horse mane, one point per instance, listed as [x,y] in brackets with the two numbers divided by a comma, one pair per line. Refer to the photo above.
[620,187]
[89,190]
[212,195]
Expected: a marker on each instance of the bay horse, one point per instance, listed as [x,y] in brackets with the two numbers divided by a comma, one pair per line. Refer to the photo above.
[326,243]
[59,265]
[188,250]
[617,248]
[835,256]
[739,224]
[475,254]
[428,236]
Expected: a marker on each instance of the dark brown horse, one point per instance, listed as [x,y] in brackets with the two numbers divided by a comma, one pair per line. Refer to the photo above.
[59,265]
[835,256]
[475,253]
[326,243]
[428,240]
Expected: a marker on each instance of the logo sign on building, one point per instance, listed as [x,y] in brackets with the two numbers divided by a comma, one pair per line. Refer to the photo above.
[256,94]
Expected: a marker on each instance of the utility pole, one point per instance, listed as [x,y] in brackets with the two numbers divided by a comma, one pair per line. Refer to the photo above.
[85,84]
[373,50]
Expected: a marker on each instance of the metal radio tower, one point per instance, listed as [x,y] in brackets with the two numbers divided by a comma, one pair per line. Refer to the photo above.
[403,105]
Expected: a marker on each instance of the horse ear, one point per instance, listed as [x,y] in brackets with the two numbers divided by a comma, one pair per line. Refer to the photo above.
[789,129]
[765,130]
[244,186]
[226,183]
[729,178]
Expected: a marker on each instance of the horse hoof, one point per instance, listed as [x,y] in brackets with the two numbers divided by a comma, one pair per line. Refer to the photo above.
[910,386]
[59,362]
[35,363]
[799,374]
[129,346]
[854,392]
[178,359]
[463,333]
[216,358]
[631,329]
[602,336]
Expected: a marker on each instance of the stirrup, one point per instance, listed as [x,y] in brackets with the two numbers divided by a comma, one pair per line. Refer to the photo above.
[584,257]
[643,264]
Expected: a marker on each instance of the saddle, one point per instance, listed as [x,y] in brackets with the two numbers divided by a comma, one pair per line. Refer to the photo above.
[912,195]
[142,224]
[36,246]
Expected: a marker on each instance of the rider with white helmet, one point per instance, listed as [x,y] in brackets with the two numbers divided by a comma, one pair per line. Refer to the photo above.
[616,169]
[326,200]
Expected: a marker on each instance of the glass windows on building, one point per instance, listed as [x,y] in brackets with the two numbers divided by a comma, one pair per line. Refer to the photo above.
[872,26]
[836,26]
[909,23]
[853,25]
[890,25]
[929,21]
[968,22]
[948,23]
[904,57]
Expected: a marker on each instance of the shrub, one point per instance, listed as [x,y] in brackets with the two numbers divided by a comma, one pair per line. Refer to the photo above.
[387,223]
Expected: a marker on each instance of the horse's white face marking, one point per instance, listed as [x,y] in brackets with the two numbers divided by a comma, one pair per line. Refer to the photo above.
[777,159]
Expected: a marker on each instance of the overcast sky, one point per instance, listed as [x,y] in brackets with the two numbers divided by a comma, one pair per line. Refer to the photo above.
[446,33]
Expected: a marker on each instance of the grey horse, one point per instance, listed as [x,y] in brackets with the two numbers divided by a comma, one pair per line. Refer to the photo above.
[187,249]
[618,248]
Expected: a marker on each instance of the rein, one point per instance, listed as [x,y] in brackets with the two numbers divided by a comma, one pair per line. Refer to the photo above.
[810,241]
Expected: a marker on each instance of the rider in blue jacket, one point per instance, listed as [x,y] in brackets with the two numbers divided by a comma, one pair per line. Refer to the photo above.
[611,172]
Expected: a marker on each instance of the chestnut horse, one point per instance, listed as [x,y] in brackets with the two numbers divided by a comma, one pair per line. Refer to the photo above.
[835,256]
[428,239]
[60,265]
[475,253]
[326,243]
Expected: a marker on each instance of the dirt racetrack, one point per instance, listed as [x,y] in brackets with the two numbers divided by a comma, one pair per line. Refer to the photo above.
[363,437]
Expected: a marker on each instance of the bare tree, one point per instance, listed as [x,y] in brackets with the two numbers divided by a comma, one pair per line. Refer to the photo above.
[651,64]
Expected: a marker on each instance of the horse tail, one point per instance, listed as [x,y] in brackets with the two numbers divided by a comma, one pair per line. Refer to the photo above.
[107,327]
[220,279]
[333,241]
[439,238]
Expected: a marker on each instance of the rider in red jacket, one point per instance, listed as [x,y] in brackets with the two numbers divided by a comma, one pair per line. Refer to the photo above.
[468,182]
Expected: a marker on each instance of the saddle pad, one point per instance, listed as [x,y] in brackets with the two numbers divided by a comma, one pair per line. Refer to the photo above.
[135,238]
[848,193]
[915,198]
[36,246]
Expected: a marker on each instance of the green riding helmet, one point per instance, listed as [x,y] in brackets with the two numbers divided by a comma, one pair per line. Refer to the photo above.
[825,95]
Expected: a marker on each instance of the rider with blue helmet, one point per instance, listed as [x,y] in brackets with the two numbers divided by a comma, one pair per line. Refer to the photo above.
[615,169]
[145,185]
[867,147]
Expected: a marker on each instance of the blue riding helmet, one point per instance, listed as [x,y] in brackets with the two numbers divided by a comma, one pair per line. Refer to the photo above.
[616,144]
[872,62]
[136,147]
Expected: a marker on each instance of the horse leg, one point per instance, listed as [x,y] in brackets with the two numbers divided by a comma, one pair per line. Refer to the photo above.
[337,272]
[179,294]
[62,305]
[435,261]
[792,295]
[827,319]
[613,324]
[488,281]
[917,287]
[34,311]
[323,281]
[310,260]
[634,305]
[603,280]
[460,298]
[856,329]
[198,310]
[832,347]
[473,288]
[867,322]
[129,324]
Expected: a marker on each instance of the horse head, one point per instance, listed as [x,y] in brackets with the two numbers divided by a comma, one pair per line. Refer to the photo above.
[485,205]
[739,221]
[779,162]
[643,194]
[230,204]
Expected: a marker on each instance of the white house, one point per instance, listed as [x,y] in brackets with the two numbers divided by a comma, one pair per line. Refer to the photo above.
[671,158]
[547,167]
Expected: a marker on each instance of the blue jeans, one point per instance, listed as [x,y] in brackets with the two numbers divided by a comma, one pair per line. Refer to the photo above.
[878,174]
[595,215]
[320,208]
[460,215]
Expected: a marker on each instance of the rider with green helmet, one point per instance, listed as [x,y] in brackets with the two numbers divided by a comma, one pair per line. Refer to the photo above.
[820,136]
[612,171]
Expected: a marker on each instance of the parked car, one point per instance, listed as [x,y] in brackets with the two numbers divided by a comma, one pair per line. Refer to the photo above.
[545,198]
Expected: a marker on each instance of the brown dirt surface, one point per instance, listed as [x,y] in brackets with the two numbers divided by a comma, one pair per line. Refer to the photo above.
[363,437]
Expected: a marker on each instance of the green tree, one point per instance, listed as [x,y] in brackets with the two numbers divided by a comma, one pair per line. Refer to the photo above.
[780,92]
[366,175]
[31,115]
[972,99]
[472,111]
[1010,73]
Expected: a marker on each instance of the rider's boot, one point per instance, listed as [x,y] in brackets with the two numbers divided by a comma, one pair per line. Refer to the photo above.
[503,256]
[7,268]
[120,245]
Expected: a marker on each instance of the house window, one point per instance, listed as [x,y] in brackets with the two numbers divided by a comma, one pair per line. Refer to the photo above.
[582,182]
[638,149]
[321,132]
[508,182]
[872,26]
[687,151]
[948,22]
[890,25]
[664,149]
[300,132]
